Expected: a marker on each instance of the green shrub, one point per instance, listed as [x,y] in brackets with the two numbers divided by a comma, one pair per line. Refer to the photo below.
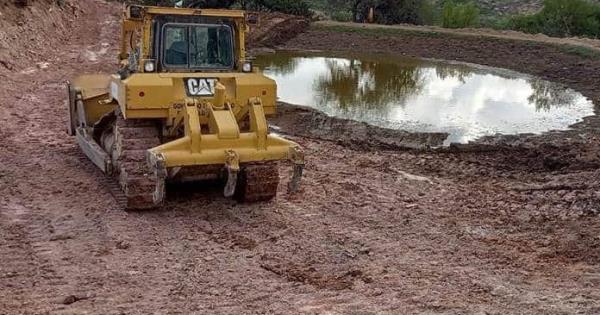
[168,3]
[495,22]
[218,4]
[318,5]
[428,12]
[561,18]
[295,7]
[341,16]
[458,15]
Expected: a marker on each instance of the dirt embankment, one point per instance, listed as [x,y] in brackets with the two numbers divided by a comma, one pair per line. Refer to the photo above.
[275,29]
[30,29]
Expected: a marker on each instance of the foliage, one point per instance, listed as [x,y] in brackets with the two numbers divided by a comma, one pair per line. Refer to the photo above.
[341,16]
[169,3]
[320,5]
[458,15]
[295,7]
[561,18]
[557,18]
[385,11]
[390,11]
[338,10]
[428,12]
[217,4]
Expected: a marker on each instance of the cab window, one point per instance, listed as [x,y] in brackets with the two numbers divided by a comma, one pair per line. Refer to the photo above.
[176,43]
[198,46]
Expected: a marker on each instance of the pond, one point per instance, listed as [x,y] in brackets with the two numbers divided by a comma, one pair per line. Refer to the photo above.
[421,95]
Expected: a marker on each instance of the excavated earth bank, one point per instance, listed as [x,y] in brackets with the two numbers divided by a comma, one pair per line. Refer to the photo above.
[507,226]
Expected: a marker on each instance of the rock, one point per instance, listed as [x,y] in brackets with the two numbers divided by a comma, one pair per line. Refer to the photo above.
[43,65]
[122,245]
[61,237]
[205,227]
[69,300]
[6,65]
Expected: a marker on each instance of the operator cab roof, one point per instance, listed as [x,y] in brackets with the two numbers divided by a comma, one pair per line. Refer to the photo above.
[137,12]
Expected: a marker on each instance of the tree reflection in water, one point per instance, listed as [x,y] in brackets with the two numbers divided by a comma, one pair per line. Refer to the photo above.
[465,100]
[455,71]
[354,86]
[547,95]
[279,63]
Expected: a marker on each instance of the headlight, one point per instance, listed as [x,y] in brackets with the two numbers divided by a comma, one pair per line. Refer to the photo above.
[149,66]
[247,66]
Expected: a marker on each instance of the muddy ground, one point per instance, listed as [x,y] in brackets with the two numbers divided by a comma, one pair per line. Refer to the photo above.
[506,226]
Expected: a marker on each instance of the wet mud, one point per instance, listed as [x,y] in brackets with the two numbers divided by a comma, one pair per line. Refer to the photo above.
[308,122]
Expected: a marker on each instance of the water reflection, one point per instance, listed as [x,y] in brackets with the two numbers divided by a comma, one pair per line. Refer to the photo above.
[354,84]
[546,95]
[423,95]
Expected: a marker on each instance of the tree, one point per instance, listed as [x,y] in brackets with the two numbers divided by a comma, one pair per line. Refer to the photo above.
[401,11]
[386,11]
[215,4]
[295,7]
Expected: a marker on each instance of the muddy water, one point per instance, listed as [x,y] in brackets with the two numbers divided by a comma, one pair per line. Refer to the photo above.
[465,101]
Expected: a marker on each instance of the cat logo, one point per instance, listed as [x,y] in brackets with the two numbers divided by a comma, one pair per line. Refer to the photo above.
[200,86]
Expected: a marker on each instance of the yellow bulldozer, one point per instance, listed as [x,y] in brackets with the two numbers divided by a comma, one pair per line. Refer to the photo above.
[185,105]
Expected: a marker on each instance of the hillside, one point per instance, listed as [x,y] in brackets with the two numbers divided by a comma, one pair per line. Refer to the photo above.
[45,24]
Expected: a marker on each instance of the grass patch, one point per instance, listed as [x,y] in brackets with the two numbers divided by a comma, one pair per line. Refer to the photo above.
[460,15]
[374,31]
[580,51]
[583,52]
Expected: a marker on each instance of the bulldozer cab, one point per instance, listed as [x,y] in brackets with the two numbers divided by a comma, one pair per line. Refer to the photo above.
[158,39]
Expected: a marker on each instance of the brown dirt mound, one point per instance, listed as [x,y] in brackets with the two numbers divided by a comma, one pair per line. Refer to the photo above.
[28,29]
[275,29]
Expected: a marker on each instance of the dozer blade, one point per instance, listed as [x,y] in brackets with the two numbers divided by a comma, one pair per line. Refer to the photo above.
[93,151]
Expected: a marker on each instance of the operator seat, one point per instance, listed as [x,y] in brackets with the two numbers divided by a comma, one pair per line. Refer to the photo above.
[177,54]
